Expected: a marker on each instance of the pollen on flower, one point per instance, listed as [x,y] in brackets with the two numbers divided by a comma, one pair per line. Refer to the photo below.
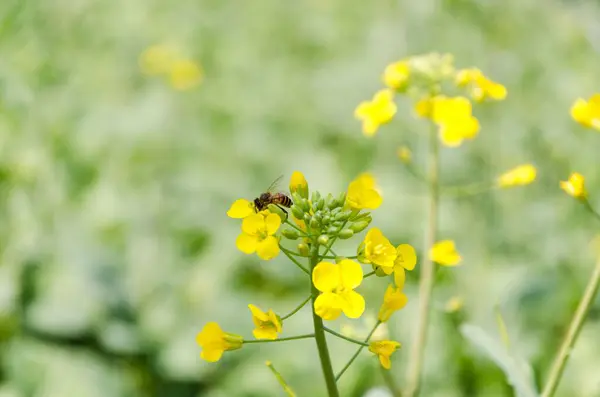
[587,113]
[376,112]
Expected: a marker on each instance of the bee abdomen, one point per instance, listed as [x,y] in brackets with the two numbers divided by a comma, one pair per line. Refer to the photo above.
[282,199]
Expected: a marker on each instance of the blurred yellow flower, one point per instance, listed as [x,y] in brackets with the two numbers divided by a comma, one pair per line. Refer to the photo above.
[444,253]
[404,154]
[424,106]
[268,325]
[384,349]
[393,300]
[376,112]
[157,59]
[379,251]
[521,175]
[258,235]
[396,75]
[240,209]
[214,342]
[587,113]
[298,184]
[406,259]
[454,118]
[185,74]
[480,86]
[575,186]
[337,282]
[454,304]
[363,194]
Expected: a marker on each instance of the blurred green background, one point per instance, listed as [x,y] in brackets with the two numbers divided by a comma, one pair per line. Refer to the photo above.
[115,246]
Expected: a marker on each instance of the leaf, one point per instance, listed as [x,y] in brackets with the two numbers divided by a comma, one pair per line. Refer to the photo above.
[518,372]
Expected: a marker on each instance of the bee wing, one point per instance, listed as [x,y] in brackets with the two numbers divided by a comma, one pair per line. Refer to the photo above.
[273,186]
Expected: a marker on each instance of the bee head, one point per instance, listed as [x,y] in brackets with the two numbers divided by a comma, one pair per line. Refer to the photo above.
[265,197]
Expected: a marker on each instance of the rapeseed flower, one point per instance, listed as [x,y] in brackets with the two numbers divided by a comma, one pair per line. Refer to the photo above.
[479,85]
[378,251]
[376,112]
[337,282]
[587,113]
[444,253]
[268,325]
[393,300]
[575,186]
[521,175]
[258,235]
[214,342]
[455,121]
[363,194]
[384,350]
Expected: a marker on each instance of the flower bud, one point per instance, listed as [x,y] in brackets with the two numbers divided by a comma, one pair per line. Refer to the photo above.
[343,216]
[335,211]
[234,341]
[317,216]
[333,204]
[345,234]
[328,199]
[314,223]
[315,196]
[303,249]
[320,203]
[341,199]
[360,253]
[359,226]
[323,239]
[304,205]
[326,219]
[306,218]
[338,224]
[291,234]
[296,197]
[275,209]
[332,230]
[298,184]
[359,216]
[297,212]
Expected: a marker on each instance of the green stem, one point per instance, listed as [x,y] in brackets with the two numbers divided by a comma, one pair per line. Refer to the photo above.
[349,363]
[332,241]
[590,208]
[427,271]
[390,382]
[369,274]
[320,338]
[332,332]
[287,222]
[305,336]
[574,328]
[289,253]
[322,256]
[300,306]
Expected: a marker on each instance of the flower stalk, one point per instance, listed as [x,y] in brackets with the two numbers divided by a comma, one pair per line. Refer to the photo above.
[332,390]
[570,338]
[426,283]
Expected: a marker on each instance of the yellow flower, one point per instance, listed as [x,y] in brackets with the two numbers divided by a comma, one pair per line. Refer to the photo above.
[454,118]
[384,349]
[454,304]
[575,186]
[393,300]
[424,106]
[396,75]
[298,184]
[185,74]
[241,209]
[380,110]
[406,259]
[521,175]
[379,251]
[404,154]
[257,235]
[337,282]
[362,193]
[157,59]
[587,113]
[268,325]
[480,86]
[214,342]
[444,253]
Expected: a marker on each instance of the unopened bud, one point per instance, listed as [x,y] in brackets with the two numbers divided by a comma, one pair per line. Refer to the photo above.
[323,239]
[326,219]
[315,196]
[321,203]
[304,205]
[342,199]
[343,216]
[359,216]
[275,209]
[314,224]
[306,218]
[297,212]
[332,230]
[359,226]
[345,233]
[303,249]
[291,234]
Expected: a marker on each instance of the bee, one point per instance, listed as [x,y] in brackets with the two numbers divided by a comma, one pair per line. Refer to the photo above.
[271,197]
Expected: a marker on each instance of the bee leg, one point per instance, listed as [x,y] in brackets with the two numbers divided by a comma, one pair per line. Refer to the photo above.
[283,209]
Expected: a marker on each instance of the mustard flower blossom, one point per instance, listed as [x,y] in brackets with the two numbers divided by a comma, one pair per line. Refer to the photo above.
[378,251]
[240,209]
[575,186]
[396,75]
[384,350]
[268,325]
[406,259]
[454,304]
[337,282]
[393,300]
[185,74]
[480,86]
[444,253]
[215,342]
[455,121]
[521,175]
[363,194]
[258,235]
[298,184]
[376,112]
[587,113]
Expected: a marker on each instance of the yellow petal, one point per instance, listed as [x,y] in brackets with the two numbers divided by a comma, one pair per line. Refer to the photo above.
[253,224]
[246,243]
[399,276]
[385,361]
[450,137]
[406,256]
[265,333]
[362,110]
[275,320]
[328,306]
[258,314]
[444,253]
[326,276]
[297,182]
[351,274]
[268,248]
[353,304]
[212,355]
[240,209]
[209,334]
[580,111]
[272,221]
